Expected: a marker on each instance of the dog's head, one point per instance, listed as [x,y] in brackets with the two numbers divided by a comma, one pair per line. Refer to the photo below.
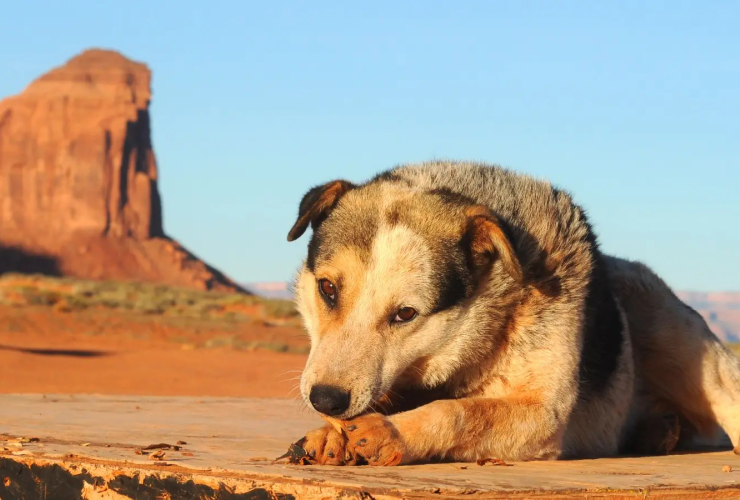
[387,288]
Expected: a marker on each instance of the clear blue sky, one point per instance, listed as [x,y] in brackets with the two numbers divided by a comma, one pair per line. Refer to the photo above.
[632,106]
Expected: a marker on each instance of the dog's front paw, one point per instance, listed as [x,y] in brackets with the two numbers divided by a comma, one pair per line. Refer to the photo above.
[374,438]
[326,446]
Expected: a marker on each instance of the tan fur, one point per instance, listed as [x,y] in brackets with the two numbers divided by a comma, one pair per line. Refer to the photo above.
[488,239]
[528,344]
[330,195]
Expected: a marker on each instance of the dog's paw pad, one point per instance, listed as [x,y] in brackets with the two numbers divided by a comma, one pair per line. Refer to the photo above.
[375,439]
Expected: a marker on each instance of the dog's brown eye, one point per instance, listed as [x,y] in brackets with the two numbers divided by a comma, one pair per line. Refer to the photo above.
[328,290]
[404,314]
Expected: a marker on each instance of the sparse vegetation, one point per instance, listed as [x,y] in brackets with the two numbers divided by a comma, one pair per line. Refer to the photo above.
[69,295]
[191,319]
[735,348]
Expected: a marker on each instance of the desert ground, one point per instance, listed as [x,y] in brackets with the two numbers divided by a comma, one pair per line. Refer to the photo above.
[83,337]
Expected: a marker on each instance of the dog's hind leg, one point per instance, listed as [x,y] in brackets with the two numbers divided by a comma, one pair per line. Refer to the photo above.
[654,434]
[679,362]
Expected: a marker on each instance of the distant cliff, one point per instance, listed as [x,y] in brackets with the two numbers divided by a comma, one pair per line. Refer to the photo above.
[721,310]
[78,179]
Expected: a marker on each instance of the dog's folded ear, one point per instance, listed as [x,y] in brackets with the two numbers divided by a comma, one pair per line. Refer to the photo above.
[316,206]
[489,240]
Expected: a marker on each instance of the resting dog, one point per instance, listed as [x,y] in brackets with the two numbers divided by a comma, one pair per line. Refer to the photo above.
[460,311]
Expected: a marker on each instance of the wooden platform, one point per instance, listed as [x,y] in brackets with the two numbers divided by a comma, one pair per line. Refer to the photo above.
[67,447]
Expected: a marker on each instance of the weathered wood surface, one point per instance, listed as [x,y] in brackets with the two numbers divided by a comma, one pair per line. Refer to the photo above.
[86,449]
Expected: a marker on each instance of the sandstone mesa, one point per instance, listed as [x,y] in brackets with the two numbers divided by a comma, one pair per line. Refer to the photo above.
[78,179]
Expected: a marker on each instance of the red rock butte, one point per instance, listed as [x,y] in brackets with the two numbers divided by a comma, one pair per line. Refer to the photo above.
[78,179]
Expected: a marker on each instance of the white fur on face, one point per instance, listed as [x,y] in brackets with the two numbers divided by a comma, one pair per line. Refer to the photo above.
[366,353]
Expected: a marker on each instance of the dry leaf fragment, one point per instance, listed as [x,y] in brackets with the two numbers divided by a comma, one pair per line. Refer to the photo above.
[158,455]
[157,446]
[336,423]
[727,468]
[162,446]
[492,461]
[296,455]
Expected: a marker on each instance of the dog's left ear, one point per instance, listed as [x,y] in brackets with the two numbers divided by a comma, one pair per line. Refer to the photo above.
[316,206]
[488,240]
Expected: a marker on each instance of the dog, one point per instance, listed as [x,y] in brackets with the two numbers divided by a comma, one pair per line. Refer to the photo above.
[460,311]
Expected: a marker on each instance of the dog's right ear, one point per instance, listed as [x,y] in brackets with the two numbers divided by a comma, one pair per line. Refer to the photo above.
[489,239]
[316,206]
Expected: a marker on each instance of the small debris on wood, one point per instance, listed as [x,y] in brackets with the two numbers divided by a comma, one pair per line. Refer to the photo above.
[463,467]
[27,440]
[336,423]
[296,455]
[492,461]
[727,468]
[161,446]
[85,444]
[140,452]
[157,446]
[6,482]
[157,455]
[182,443]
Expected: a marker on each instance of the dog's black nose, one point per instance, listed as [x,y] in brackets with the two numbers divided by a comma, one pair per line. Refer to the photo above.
[329,400]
